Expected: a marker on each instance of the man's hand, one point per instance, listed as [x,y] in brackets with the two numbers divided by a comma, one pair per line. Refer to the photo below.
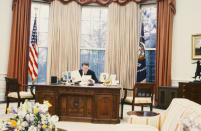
[91,81]
[73,78]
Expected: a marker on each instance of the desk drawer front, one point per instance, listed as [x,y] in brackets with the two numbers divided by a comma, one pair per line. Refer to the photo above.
[76,105]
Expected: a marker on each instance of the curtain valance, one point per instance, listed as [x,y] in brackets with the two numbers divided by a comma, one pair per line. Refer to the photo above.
[101,2]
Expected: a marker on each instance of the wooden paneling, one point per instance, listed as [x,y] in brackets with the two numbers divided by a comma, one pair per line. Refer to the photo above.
[76,105]
[88,104]
[50,97]
[104,106]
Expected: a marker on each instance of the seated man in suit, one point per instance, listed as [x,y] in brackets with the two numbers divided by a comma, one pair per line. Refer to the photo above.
[86,71]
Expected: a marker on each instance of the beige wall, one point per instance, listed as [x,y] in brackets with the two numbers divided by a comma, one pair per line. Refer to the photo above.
[187,21]
[5,27]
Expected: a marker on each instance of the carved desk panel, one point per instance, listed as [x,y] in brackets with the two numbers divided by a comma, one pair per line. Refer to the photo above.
[96,104]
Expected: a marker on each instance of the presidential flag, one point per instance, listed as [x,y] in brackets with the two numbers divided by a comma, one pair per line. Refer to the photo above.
[141,67]
[33,54]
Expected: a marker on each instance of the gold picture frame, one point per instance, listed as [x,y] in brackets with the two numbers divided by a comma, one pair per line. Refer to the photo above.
[196,47]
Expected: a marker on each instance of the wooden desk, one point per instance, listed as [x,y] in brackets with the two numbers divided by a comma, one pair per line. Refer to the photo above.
[96,104]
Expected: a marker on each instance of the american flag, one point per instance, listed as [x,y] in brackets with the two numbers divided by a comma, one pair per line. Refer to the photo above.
[33,54]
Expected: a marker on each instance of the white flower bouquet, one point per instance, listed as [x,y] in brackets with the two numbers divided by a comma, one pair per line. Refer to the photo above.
[31,116]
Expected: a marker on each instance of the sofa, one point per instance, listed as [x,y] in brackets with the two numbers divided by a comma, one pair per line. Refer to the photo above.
[181,115]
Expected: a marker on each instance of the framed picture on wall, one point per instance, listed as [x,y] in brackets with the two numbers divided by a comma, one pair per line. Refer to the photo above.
[196,47]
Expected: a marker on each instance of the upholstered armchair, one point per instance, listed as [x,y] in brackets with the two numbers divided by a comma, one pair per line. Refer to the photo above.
[13,93]
[142,96]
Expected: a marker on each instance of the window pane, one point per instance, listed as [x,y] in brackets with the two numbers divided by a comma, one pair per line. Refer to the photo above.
[93,27]
[93,37]
[43,39]
[42,30]
[150,65]
[96,59]
[149,20]
[42,65]
[43,24]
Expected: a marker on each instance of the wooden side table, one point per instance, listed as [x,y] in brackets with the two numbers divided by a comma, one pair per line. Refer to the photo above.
[144,118]
[143,113]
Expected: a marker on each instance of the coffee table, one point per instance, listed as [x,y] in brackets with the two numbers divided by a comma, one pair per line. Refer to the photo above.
[142,113]
[59,129]
[143,118]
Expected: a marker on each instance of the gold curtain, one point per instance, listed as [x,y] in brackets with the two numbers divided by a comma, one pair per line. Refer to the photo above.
[122,43]
[166,10]
[19,41]
[63,38]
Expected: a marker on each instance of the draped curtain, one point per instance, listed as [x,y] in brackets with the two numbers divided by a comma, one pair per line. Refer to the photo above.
[165,13]
[101,2]
[63,38]
[19,41]
[122,43]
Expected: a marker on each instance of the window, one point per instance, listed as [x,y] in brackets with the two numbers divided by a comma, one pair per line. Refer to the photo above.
[93,37]
[148,18]
[42,13]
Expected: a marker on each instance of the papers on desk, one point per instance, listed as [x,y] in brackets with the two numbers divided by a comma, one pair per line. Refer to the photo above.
[113,77]
[75,76]
[86,78]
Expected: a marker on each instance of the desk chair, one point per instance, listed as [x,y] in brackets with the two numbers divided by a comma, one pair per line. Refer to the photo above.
[142,96]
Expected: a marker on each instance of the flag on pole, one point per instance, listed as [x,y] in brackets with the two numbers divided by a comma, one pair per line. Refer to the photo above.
[33,54]
[141,67]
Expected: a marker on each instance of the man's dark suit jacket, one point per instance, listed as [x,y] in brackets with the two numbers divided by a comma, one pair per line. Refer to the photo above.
[92,73]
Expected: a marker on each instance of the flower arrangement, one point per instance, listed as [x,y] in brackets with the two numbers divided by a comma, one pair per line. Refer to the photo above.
[31,116]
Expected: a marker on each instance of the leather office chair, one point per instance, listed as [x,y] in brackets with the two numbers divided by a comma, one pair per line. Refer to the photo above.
[142,96]
[13,93]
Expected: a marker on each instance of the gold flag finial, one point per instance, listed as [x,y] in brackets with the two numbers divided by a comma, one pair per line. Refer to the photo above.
[36,10]
[142,11]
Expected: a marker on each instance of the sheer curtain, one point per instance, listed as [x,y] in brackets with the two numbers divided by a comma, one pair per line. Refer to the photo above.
[63,38]
[122,43]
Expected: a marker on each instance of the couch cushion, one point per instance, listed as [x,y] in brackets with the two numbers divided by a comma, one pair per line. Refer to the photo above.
[23,94]
[138,100]
[191,118]
[174,113]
